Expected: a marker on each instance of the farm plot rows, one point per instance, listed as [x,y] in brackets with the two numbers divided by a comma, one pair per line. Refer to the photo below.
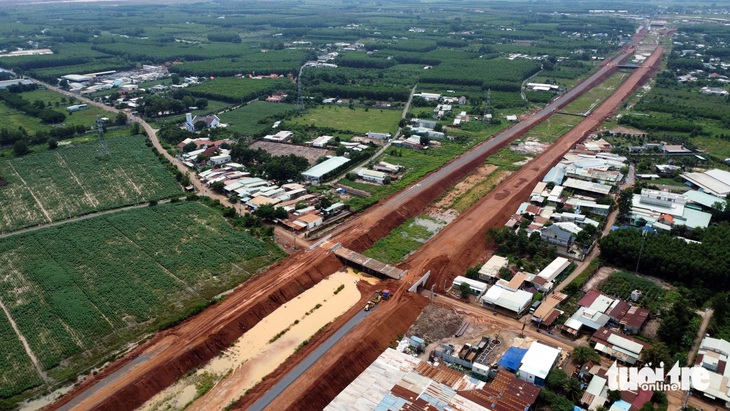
[17,373]
[72,181]
[246,119]
[238,90]
[81,290]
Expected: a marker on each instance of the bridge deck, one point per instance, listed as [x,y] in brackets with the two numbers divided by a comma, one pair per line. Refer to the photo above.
[369,263]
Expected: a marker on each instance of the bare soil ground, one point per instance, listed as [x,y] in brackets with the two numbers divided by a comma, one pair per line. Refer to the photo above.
[170,354]
[598,278]
[436,323]
[283,149]
[463,186]
[651,328]
[626,130]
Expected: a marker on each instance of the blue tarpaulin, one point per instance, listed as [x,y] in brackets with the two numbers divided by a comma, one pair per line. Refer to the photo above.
[512,358]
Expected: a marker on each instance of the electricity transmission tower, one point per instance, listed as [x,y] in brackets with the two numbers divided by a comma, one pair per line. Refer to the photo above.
[103,150]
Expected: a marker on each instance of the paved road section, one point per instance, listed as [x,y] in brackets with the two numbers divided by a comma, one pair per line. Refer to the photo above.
[451,251]
[307,362]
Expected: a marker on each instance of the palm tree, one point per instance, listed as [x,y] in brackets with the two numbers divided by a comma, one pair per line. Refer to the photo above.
[583,354]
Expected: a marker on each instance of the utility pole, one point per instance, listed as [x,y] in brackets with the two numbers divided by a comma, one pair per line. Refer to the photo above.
[641,250]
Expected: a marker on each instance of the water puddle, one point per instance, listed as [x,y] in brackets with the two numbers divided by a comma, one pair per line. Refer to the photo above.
[264,347]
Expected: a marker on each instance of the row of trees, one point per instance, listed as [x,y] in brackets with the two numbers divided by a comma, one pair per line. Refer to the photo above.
[260,162]
[179,101]
[671,258]
[46,115]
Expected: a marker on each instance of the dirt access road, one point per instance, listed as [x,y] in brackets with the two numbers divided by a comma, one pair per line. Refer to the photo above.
[157,364]
[446,255]
[460,244]
[361,233]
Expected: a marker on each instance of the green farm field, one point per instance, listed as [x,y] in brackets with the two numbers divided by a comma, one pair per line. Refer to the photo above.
[53,185]
[79,291]
[356,120]
[83,117]
[12,118]
[246,119]
[238,90]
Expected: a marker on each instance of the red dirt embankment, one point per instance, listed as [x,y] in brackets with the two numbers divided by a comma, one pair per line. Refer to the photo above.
[460,244]
[361,233]
[334,371]
[449,253]
[170,354]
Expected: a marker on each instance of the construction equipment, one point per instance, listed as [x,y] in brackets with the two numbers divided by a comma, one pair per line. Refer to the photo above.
[377,297]
[386,294]
[374,301]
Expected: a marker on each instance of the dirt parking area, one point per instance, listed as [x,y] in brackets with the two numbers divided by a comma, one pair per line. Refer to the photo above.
[284,149]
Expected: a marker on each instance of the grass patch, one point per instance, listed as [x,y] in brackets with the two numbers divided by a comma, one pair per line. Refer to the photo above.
[340,288]
[553,128]
[622,283]
[405,239]
[506,159]
[473,195]
[204,383]
[254,118]
[358,120]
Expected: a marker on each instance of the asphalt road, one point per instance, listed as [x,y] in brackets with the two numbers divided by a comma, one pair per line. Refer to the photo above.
[307,362]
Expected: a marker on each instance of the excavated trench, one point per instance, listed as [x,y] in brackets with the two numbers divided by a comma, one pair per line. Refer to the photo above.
[128,383]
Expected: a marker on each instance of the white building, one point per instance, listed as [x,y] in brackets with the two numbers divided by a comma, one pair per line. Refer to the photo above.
[211,121]
[490,269]
[218,160]
[507,295]
[387,167]
[714,91]
[377,177]
[378,136]
[321,170]
[537,363]
[477,287]
[549,273]
[280,137]
[321,141]
[713,356]
[715,182]
[309,221]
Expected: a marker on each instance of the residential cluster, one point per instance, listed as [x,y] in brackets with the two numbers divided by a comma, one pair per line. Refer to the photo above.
[398,381]
[107,80]
[205,152]
[575,193]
